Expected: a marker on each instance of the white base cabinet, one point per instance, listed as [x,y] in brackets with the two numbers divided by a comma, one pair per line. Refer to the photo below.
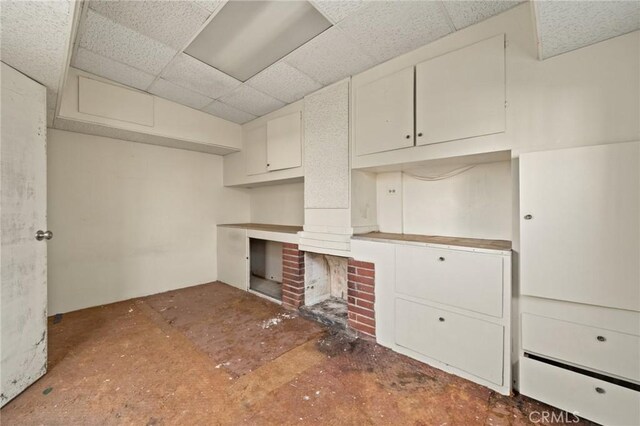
[580,280]
[581,395]
[453,313]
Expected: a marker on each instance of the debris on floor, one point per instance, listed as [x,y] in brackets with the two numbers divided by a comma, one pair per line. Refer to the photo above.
[220,368]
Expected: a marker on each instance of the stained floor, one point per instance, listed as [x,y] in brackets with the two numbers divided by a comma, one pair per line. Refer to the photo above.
[212,354]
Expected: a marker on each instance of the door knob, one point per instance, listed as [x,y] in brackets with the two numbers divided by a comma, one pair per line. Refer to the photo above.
[44,235]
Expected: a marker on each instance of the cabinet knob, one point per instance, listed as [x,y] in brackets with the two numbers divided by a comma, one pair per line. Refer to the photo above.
[420,134]
[528,217]
[600,390]
[441,259]
[441,319]
[601,339]
[268,164]
[408,136]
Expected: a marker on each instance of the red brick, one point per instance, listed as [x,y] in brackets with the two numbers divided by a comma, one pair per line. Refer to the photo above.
[361,295]
[365,288]
[291,264]
[360,264]
[292,277]
[366,272]
[362,311]
[360,279]
[366,321]
[290,245]
[351,269]
[364,304]
[290,270]
[365,329]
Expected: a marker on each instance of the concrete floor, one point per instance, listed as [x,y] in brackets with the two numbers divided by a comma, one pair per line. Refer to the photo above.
[212,354]
[270,288]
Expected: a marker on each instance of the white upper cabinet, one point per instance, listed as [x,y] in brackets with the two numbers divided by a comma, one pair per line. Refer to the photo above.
[384,114]
[579,225]
[284,142]
[255,145]
[461,94]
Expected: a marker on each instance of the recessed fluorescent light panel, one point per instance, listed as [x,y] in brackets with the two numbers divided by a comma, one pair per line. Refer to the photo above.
[246,37]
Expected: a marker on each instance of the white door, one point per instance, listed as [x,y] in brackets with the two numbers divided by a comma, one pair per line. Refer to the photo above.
[255,147]
[23,259]
[284,142]
[461,94]
[580,225]
[384,113]
[233,257]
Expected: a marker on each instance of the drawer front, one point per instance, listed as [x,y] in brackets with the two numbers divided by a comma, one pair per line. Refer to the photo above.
[604,350]
[451,338]
[577,393]
[471,281]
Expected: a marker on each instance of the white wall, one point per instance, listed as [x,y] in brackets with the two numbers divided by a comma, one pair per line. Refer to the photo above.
[278,204]
[475,203]
[131,219]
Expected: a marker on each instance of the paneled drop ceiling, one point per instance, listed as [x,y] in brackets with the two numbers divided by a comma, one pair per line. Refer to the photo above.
[141,44]
[35,37]
[564,26]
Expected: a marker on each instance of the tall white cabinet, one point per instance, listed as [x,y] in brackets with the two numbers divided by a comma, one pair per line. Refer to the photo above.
[580,280]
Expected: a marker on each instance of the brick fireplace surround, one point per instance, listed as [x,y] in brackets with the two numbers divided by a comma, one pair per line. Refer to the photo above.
[360,291]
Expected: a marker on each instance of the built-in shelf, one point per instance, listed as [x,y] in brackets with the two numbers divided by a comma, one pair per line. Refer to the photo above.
[287,229]
[475,243]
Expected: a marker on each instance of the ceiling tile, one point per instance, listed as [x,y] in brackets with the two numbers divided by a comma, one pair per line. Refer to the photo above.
[465,13]
[35,38]
[168,90]
[570,25]
[228,112]
[329,57]
[388,29]
[337,10]
[247,99]
[283,82]
[189,72]
[210,5]
[108,38]
[170,22]
[108,68]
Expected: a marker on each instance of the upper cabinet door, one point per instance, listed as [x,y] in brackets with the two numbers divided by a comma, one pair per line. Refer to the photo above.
[461,94]
[384,114]
[255,146]
[284,142]
[579,225]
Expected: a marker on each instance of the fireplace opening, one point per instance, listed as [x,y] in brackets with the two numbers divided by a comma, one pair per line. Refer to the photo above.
[325,289]
[265,271]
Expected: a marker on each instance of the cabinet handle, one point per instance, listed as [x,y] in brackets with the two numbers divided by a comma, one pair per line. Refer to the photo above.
[528,217]
[441,259]
[420,134]
[600,390]
[408,136]
[441,319]
[601,339]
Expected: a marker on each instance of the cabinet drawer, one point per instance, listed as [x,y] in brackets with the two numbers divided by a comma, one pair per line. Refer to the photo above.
[604,350]
[469,344]
[471,281]
[576,393]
